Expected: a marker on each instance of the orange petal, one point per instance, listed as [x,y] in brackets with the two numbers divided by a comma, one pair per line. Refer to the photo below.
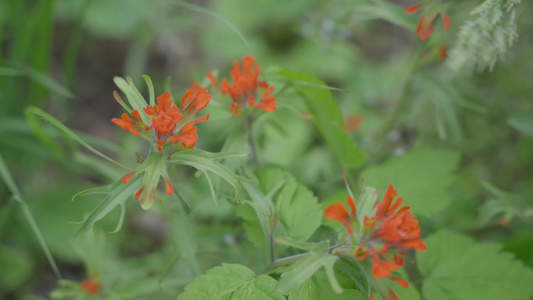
[446,21]
[212,79]
[351,204]
[413,9]
[188,95]
[128,177]
[401,282]
[169,187]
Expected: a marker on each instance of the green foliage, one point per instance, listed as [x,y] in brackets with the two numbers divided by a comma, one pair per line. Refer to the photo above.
[455,267]
[287,209]
[421,177]
[523,122]
[231,281]
[304,269]
[17,267]
[117,194]
[327,117]
[205,161]
[318,288]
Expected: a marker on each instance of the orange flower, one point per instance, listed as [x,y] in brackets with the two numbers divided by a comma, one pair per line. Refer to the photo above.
[166,119]
[391,230]
[425,23]
[243,89]
[383,236]
[90,286]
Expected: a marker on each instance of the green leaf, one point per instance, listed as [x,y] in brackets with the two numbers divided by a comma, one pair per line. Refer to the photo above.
[282,207]
[318,288]
[119,194]
[231,282]
[200,9]
[421,178]
[299,212]
[135,98]
[32,112]
[456,267]
[252,225]
[327,117]
[523,122]
[40,78]
[301,271]
[393,13]
[6,177]
[205,161]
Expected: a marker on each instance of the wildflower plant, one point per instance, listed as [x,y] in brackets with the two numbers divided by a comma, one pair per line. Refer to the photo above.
[278,221]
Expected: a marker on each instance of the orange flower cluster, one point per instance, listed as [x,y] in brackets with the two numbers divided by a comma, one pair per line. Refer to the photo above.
[425,23]
[168,127]
[383,236]
[165,118]
[90,287]
[243,88]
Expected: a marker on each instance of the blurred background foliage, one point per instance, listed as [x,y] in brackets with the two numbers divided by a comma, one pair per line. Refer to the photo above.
[456,142]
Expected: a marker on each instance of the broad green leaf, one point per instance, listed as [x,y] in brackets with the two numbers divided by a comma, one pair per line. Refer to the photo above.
[231,282]
[523,122]
[260,216]
[117,196]
[299,212]
[205,161]
[456,267]
[421,178]
[327,117]
[252,225]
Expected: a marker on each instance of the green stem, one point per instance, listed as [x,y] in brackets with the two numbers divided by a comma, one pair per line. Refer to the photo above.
[405,91]
[17,195]
[248,129]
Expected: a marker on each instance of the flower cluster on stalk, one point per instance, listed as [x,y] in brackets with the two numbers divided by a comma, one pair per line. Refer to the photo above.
[169,129]
[425,23]
[382,236]
[244,87]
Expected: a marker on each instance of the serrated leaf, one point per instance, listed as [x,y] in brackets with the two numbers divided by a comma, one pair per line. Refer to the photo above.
[456,267]
[231,282]
[253,228]
[421,178]
[299,212]
[205,161]
[327,117]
